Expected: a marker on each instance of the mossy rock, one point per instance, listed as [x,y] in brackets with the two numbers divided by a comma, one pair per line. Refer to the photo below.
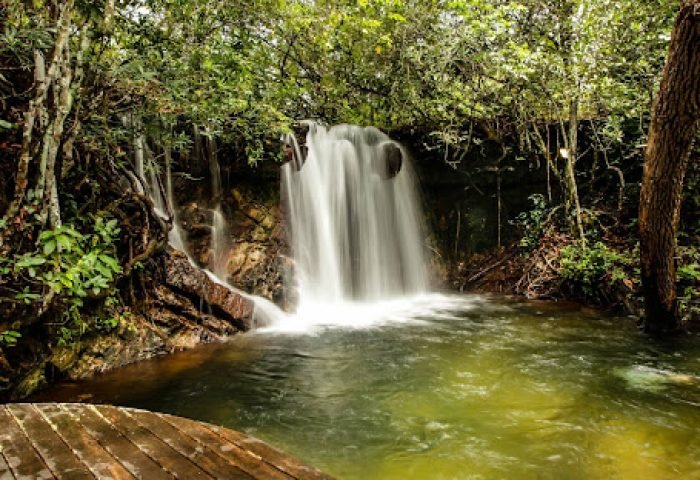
[62,358]
[35,380]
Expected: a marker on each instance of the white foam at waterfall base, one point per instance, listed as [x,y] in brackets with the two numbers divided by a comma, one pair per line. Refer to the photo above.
[421,309]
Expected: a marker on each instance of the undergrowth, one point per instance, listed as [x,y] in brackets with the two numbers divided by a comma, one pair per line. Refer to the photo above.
[68,275]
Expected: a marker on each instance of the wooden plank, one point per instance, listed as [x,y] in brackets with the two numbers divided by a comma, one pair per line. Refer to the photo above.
[128,454]
[76,441]
[179,465]
[23,460]
[250,463]
[236,442]
[231,453]
[100,462]
[17,452]
[5,472]
[271,455]
[201,454]
[53,451]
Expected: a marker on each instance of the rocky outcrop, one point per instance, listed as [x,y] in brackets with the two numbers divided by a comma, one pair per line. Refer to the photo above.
[182,279]
[257,260]
[185,309]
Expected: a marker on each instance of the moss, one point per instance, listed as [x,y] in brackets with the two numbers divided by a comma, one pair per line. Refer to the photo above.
[35,380]
[62,358]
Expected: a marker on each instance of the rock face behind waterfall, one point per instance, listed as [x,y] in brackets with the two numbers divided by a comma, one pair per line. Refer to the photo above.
[257,259]
[186,308]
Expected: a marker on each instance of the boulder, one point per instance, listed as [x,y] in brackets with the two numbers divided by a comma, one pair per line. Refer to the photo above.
[185,278]
[391,160]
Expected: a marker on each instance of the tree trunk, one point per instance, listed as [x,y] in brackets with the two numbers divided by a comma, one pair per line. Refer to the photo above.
[674,127]
[499,200]
[30,119]
[67,161]
[65,102]
[37,110]
[551,165]
[571,168]
[500,207]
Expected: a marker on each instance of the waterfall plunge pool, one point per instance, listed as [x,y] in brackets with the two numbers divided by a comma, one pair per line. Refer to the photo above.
[454,387]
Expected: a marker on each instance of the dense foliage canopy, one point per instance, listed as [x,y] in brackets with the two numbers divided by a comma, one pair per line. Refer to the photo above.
[247,69]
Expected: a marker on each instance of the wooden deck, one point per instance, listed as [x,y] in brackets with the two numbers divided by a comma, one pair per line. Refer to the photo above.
[80,441]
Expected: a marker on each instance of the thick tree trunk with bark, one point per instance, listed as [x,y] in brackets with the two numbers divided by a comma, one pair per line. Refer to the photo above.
[674,127]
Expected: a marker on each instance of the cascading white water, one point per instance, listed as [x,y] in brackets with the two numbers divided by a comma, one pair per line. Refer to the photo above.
[264,312]
[176,236]
[148,174]
[220,243]
[356,232]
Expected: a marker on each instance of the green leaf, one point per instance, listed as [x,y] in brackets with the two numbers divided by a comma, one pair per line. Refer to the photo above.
[49,247]
[30,261]
[689,272]
[5,125]
[111,262]
[9,337]
[100,267]
[46,234]
[65,242]
[27,297]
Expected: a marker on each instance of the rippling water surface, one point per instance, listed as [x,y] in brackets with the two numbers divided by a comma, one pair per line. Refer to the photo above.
[475,388]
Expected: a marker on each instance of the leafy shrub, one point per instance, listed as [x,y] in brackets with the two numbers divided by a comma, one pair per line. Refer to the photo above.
[70,267]
[689,303]
[688,274]
[588,267]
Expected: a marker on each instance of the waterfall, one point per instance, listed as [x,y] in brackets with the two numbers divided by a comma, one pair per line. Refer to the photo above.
[354,222]
[176,235]
[354,218]
[163,202]
[220,243]
[264,311]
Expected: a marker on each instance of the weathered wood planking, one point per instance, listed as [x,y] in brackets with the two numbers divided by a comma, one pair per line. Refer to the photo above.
[79,441]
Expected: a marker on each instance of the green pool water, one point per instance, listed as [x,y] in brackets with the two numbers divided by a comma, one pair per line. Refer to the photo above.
[482,388]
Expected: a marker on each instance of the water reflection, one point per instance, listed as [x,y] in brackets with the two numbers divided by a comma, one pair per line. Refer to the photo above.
[503,390]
